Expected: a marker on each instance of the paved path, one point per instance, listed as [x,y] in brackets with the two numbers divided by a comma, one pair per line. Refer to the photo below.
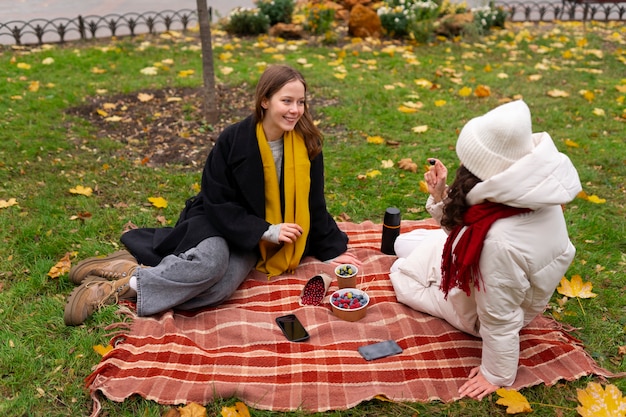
[50,9]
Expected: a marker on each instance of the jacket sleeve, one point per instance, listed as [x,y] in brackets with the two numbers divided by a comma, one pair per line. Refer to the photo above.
[225,200]
[499,306]
[325,241]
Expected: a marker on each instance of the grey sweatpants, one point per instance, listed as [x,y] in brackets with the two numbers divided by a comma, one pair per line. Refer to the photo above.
[204,276]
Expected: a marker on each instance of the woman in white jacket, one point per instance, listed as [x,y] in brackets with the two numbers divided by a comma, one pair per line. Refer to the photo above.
[503,246]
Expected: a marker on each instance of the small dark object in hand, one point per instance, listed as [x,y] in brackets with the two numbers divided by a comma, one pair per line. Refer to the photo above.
[431,161]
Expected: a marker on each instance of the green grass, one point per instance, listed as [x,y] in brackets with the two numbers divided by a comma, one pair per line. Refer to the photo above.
[44,152]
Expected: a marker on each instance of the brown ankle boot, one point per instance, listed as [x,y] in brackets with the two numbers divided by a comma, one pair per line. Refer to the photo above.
[94,293]
[117,265]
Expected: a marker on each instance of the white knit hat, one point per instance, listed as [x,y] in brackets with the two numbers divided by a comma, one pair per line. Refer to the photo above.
[491,143]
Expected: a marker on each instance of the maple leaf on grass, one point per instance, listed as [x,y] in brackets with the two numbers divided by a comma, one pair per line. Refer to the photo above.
[576,288]
[8,203]
[158,202]
[238,410]
[62,267]
[79,189]
[192,410]
[601,402]
[591,198]
[513,400]
[407,164]
[102,350]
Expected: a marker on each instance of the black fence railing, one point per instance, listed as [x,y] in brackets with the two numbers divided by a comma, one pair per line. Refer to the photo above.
[546,11]
[60,30]
[39,31]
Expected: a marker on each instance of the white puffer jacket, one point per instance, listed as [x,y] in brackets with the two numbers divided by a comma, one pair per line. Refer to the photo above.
[523,259]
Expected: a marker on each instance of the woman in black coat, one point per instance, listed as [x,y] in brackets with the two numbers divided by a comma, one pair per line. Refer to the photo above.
[261,205]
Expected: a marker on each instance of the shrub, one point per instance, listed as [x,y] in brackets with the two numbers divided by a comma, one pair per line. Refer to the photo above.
[488,17]
[401,18]
[319,19]
[245,21]
[278,11]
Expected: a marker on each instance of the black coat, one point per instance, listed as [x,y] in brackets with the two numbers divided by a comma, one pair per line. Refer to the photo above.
[231,204]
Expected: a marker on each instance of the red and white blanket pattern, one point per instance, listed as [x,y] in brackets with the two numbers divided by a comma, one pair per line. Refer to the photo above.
[237,350]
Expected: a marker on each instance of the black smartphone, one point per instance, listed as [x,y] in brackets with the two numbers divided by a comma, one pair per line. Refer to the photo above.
[380,350]
[293,330]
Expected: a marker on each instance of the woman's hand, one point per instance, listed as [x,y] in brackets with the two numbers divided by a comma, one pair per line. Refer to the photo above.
[346,258]
[477,386]
[436,178]
[289,232]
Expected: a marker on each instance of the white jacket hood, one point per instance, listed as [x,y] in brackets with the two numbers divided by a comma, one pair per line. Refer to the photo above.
[544,177]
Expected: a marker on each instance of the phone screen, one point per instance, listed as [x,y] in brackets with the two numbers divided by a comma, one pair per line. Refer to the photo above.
[291,327]
[380,350]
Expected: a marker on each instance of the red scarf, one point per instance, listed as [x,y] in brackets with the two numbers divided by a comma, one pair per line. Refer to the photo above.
[460,268]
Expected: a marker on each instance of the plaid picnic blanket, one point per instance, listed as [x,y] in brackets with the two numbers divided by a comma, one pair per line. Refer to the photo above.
[237,350]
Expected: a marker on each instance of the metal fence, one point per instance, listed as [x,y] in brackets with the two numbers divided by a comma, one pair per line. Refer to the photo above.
[39,31]
[546,11]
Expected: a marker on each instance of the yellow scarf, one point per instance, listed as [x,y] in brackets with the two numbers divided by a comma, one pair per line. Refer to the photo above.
[276,259]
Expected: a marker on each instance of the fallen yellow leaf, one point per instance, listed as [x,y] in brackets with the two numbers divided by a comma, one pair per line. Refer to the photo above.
[386,163]
[145,97]
[8,203]
[79,189]
[587,95]
[61,267]
[102,350]
[192,410]
[482,91]
[33,87]
[465,92]
[595,199]
[373,173]
[158,202]
[576,288]
[407,164]
[558,93]
[571,143]
[601,402]
[599,112]
[405,109]
[440,103]
[375,139]
[423,187]
[420,129]
[238,410]
[185,73]
[513,400]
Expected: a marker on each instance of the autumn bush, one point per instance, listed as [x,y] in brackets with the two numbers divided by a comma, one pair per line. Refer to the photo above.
[122,118]
[278,11]
[244,21]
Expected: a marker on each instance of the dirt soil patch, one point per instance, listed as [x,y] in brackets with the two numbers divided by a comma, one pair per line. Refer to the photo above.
[166,126]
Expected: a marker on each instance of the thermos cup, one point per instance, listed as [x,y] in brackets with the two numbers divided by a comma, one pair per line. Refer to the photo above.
[391,230]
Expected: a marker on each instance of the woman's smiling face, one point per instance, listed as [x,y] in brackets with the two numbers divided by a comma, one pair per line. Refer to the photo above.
[283,110]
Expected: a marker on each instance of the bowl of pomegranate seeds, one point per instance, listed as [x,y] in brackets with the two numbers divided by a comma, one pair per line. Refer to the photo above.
[315,289]
[349,304]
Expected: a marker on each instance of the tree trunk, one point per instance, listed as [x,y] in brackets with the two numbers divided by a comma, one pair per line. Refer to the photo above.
[210,111]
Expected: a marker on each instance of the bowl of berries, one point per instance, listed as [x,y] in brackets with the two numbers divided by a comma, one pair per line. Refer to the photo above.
[346,275]
[349,304]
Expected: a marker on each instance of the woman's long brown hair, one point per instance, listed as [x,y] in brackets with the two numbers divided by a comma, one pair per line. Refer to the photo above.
[272,80]
[456,204]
